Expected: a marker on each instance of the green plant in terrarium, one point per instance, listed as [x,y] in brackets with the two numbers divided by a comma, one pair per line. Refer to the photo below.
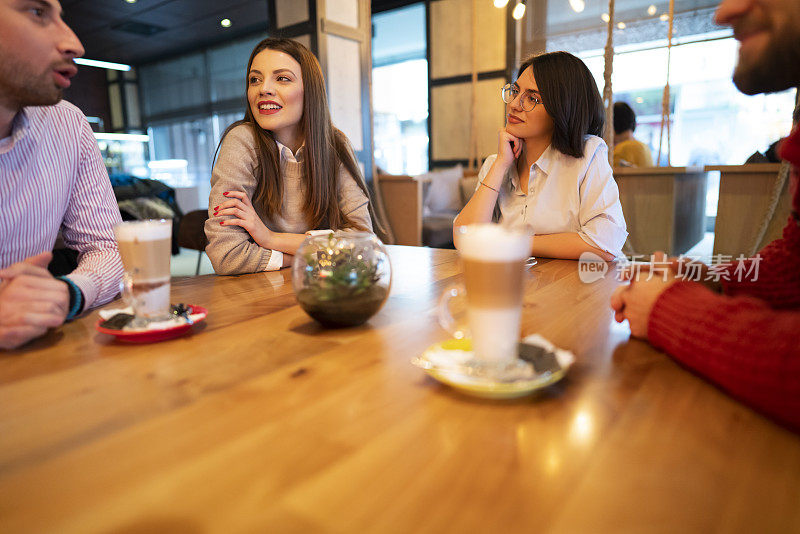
[339,272]
[341,279]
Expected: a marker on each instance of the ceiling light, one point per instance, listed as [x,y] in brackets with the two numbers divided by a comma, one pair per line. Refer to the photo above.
[131,1]
[500,3]
[519,10]
[577,5]
[664,17]
[651,10]
[102,64]
[160,164]
[121,137]
[225,23]
[604,17]
[621,25]
[639,100]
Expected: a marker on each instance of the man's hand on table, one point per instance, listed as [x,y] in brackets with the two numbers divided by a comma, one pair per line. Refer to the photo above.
[694,270]
[31,301]
[635,300]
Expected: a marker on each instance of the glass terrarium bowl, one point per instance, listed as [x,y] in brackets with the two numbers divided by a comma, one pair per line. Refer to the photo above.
[341,279]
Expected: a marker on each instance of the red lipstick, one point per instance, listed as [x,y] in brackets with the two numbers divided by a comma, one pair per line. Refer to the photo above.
[268,111]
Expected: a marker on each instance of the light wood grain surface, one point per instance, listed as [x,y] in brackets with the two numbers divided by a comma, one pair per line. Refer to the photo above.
[262,421]
[402,200]
[745,192]
[664,207]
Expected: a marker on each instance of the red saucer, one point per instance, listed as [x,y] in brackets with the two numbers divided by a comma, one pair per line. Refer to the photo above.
[152,336]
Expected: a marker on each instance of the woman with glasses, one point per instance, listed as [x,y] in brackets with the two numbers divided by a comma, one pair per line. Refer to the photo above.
[284,170]
[551,171]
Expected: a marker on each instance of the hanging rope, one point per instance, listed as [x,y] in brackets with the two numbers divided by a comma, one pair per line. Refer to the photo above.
[608,93]
[473,131]
[665,98]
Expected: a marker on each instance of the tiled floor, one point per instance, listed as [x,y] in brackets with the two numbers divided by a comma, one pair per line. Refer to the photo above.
[185,263]
[703,249]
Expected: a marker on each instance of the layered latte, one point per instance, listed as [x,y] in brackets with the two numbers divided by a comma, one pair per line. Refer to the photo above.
[145,247]
[494,265]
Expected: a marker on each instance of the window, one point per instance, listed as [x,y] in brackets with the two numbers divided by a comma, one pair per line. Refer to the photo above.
[703,100]
[173,85]
[188,103]
[400,90]
[711,121]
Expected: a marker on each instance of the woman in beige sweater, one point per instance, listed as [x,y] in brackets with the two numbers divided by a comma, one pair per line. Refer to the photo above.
[284,169]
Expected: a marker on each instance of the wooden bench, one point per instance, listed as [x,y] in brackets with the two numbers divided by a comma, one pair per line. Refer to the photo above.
[745,193]
[664,207]
[402,201]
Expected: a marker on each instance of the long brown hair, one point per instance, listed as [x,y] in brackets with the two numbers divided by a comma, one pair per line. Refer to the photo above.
[325,148]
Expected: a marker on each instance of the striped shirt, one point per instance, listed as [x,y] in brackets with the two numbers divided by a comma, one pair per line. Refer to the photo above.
[52,178]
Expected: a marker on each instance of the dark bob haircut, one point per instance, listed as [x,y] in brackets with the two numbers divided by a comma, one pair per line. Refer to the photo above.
[570,97]
[624,118]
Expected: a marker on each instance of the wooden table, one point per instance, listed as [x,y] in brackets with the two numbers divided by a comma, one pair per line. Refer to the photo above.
[261,421]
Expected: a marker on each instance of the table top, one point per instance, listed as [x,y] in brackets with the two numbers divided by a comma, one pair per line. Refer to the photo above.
[747,168]
[261,420]
[657,171]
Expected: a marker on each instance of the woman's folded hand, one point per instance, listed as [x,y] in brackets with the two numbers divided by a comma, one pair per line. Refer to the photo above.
[240,208]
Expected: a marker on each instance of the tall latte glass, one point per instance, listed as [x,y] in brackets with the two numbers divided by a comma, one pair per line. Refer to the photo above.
[493,258]
[145,247]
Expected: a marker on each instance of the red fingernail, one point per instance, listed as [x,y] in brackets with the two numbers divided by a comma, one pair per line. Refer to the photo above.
[216,208]
[222,223]
[225,193]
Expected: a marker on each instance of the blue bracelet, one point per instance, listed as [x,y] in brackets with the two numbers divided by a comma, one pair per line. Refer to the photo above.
[76,296]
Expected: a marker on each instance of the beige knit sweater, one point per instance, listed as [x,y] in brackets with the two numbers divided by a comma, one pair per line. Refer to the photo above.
[231,249]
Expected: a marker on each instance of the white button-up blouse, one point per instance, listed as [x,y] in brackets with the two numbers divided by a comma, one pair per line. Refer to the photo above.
[567,194]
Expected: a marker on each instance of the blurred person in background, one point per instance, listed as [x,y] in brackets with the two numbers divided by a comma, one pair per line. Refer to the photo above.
[628,151]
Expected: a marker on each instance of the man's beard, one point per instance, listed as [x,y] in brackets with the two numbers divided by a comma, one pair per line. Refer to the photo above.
[21,88]
[777,69]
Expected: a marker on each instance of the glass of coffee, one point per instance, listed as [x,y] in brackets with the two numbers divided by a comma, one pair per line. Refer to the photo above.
[145,247]
[493,258]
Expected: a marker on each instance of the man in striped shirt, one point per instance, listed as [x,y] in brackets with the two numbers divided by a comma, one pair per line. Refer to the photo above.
[52,178]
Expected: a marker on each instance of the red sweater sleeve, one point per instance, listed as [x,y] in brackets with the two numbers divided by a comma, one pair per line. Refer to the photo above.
[778,272]
[739,343]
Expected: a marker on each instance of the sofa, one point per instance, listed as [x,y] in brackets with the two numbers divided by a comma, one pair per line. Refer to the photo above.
[421,209]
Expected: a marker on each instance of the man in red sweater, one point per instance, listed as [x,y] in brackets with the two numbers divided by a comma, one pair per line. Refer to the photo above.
[744,339]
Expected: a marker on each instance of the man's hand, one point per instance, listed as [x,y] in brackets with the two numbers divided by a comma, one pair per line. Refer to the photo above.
[682,267]
[696,271]
[635,301]
[31,301]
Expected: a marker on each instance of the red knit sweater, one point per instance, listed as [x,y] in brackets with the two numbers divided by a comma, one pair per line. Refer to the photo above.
[745,341]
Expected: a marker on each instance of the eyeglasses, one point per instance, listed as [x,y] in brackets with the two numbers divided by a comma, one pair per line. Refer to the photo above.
[527,101]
